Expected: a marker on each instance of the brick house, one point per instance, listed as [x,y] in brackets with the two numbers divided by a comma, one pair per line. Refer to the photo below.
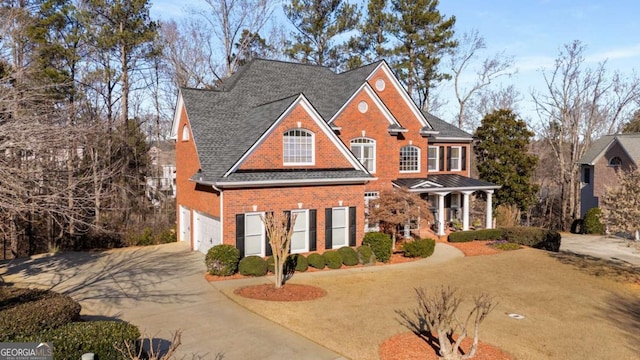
[601,163]
[297,138]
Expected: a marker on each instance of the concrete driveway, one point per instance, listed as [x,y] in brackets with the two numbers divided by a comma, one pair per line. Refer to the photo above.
[161,289]
[605,247]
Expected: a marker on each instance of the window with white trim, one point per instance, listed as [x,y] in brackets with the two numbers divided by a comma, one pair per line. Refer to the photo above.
[368,196]
[339,227]
[409,159]
[615,161]
[365,151]
[433,158]
[254,234]
[455,158]
[185,133]
[298,147]
[300,235]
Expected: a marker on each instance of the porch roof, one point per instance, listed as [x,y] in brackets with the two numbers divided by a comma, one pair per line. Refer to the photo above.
[444,182]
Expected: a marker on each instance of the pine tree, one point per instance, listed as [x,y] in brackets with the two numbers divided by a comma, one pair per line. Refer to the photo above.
[501,149]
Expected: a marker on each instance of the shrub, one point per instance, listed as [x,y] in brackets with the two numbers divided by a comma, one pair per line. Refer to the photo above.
[332,259]
[349,256]
[538,238]
[592,224]
[420,248]
[143,238]
[222,260]
[300,262]
[365,255]
[29,311]
[271,264]
[102,338]
[380,243]
[503,245]
[316,261]
[484,234]
[253,266]
[166,236]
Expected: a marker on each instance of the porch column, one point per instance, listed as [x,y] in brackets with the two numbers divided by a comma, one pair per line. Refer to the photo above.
[441,230]
[465,209]
[489,209]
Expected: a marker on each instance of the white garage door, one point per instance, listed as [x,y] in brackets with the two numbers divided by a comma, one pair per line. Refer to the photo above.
[185,224]
[206,232]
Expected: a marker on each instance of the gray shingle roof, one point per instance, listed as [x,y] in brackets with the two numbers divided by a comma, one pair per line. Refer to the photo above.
[310,174]
[441,182]
[446,130]
[629,142]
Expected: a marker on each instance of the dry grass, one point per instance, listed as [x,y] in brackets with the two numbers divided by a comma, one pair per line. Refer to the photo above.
[569,314]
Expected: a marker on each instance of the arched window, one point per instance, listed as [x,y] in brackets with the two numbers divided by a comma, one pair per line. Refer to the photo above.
[365,150]
[185,133]
[409,159]
[298,147]
[615,161]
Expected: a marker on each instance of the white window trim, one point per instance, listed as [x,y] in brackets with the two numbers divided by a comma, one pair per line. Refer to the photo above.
[371,143]
[313,149]
[306,231]
[459,168]
[368,196]
[185,133]
[437,168]
[417,157]
[262,233]
[346,227]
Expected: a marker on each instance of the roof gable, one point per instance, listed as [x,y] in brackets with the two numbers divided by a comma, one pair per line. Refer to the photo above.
[630,144]
[365,88]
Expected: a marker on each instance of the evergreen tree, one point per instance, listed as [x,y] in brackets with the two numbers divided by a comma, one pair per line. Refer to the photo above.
[501,149]
[633,126]
[318,23]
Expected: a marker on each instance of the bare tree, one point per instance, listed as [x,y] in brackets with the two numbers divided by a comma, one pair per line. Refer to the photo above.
[579,104]
[493,67]
[279,228]
[621,205]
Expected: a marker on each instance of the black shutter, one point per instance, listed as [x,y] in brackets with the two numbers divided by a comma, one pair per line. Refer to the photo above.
[352,226]
[447,201]
[448,158]
[312,230]
[328,241]
[240,233]
[441,156]
[267,247]
[464,158]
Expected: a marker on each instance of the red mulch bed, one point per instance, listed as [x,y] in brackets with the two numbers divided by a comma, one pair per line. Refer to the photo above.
[409,346]
[288,292]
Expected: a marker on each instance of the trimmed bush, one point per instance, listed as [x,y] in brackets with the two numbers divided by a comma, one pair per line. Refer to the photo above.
[419,248]
[349,256]
[271,265]
[24,312]
[538,238]
[365,255]
[253,266]
[222,260]
[316,261]
[301,262]
[102,338]
[592,224]
[332,259]
[484,234]
[380,243]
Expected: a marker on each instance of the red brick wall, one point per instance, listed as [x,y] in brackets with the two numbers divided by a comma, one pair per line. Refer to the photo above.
[241,201]
[466,172]
[203,198]
[269,154]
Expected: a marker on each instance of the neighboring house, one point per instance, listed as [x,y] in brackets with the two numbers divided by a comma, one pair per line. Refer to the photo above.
[161,184]
[600,164]
[296,138]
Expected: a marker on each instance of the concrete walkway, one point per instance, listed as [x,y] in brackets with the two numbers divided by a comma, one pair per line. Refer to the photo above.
[162,289]
[604,247]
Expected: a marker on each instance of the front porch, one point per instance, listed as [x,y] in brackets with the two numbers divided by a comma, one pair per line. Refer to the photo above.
[448,195]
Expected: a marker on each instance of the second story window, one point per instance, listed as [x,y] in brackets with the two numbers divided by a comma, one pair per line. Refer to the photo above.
[455,158]
[615,161]
[365,150]
[433,158]
[409,159]
[298,147]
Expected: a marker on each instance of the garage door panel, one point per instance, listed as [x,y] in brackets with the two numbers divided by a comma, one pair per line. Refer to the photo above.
[207,232]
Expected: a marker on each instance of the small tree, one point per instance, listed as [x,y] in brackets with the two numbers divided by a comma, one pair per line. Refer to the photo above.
[621,205]
[397,207]
[279,227]
[436,313]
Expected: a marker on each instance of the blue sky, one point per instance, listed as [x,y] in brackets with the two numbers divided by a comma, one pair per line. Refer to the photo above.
[532,31]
